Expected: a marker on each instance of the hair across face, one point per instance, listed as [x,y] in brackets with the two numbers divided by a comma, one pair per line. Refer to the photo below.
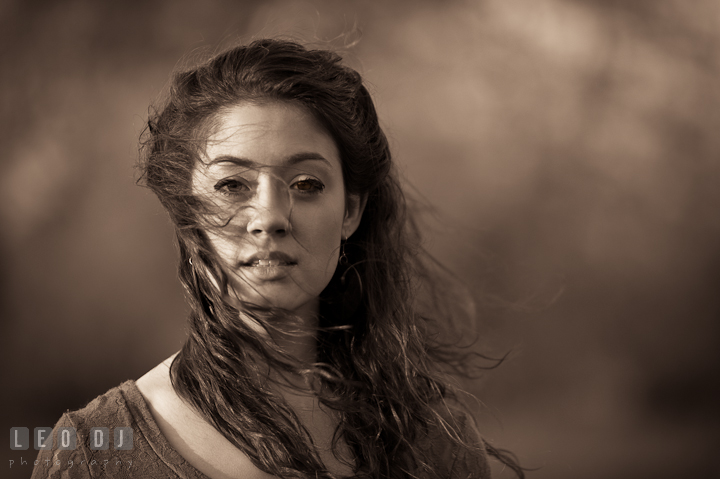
[272,181]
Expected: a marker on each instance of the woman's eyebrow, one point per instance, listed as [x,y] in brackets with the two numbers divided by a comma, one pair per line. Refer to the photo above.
[289,161]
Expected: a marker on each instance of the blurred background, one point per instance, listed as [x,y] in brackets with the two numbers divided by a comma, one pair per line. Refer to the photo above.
[570,148]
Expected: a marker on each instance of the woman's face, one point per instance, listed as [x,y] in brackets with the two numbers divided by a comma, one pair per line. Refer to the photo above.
[273,174]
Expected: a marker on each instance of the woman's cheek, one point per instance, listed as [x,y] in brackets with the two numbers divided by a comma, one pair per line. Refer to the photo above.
[227,247]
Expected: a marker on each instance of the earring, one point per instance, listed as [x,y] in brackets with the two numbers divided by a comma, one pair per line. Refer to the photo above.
[343,259]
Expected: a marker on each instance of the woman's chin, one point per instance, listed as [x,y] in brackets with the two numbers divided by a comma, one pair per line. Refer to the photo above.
[300,304]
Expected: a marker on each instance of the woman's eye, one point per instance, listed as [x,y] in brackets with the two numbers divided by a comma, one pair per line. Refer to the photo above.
[230,186]
[309,185]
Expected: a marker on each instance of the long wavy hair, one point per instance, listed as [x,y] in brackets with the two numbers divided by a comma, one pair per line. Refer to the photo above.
[380,364]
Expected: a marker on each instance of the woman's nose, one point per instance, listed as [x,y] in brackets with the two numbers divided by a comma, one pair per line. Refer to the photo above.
[270,208]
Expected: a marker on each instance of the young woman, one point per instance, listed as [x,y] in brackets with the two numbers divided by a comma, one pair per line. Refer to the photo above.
[308,353]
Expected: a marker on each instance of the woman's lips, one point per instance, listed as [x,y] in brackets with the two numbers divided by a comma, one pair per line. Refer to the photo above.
[265,271]
[271,266]
[268,258]
[267,262]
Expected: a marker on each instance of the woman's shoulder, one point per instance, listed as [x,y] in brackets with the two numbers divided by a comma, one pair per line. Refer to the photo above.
[102,439]
[110,409]
[114,435]
[191,436]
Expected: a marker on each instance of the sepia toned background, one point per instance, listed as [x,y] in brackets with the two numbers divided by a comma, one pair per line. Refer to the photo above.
[570,149]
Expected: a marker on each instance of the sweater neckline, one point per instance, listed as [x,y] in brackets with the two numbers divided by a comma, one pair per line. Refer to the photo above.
[151,431]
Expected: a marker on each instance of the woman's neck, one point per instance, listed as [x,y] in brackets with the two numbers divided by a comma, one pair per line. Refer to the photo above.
[295,336]
[300,344]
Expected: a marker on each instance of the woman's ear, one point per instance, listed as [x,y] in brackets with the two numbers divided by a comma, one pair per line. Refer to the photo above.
[354,208]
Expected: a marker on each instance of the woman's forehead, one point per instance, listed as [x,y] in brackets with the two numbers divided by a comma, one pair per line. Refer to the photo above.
[268,134]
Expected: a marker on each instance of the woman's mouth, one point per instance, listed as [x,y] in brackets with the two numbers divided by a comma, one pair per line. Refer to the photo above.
[267,262]
[268,266]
